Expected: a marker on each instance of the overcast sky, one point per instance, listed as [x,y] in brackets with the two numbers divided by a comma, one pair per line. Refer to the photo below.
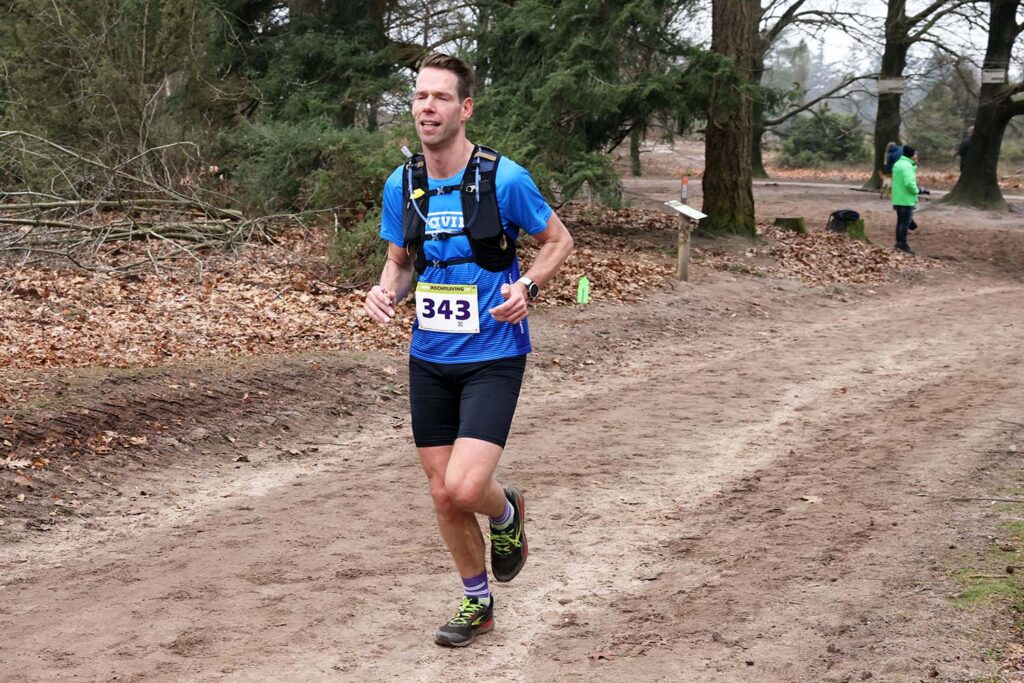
[839,47]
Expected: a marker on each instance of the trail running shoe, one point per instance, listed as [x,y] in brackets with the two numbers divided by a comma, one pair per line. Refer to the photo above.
[471,620]
[508,546]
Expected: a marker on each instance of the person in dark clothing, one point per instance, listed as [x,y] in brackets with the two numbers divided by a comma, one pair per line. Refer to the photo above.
[961,150]
[893,151]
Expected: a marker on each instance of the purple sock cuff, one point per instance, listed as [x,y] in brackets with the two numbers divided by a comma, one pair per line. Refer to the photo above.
[505,516]
[476,586]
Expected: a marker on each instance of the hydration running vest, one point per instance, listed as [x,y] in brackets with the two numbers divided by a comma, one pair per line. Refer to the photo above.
[492,248]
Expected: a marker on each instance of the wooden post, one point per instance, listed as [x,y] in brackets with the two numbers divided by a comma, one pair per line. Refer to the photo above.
[687,222]
[683,267]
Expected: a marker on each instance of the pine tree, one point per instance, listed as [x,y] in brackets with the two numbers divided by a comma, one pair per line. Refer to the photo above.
[567,81]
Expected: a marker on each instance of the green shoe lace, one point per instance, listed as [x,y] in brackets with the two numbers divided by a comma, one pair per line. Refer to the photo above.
[504,541]
[467,609]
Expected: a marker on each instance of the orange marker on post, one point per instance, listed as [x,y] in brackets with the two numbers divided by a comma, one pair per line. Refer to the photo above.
[684,188]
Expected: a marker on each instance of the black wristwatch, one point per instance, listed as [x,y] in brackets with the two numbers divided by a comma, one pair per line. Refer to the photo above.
[532,288]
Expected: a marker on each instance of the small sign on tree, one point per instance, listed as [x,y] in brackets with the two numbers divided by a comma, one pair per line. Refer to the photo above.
[890,86]
[993,76]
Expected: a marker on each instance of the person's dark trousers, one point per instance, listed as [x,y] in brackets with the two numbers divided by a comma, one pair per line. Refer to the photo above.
[904,215]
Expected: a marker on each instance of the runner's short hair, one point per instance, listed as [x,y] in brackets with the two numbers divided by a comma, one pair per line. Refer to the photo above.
[439,60]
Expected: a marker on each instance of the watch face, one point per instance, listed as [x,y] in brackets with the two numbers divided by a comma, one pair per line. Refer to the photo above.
[533,290]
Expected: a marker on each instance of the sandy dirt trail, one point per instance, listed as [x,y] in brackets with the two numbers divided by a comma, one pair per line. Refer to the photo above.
[766,500]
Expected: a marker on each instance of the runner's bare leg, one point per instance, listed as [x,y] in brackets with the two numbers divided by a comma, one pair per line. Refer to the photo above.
[462,485]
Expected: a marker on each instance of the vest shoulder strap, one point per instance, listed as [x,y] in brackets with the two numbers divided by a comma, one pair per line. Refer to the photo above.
[492,248]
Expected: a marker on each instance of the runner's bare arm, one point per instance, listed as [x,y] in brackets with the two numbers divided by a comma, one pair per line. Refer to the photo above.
[395,280]
[555,247]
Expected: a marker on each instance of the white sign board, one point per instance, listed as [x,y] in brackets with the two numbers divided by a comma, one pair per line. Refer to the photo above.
[689,212]
[889,86]
[993,76]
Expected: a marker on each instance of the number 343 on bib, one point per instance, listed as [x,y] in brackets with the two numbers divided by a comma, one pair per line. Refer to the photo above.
[447,308]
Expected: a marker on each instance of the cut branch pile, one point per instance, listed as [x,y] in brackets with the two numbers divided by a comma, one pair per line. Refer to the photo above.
[128,202]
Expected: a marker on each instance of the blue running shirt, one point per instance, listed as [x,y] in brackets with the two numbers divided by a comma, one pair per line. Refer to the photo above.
[521,207]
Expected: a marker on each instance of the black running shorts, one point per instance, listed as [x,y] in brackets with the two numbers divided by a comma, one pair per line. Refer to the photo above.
[455,400]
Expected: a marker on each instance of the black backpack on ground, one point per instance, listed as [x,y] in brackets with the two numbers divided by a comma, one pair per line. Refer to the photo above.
[840,220]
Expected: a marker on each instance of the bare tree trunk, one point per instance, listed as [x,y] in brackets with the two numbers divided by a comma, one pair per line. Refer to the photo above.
[634,152]
[894,61]
[757,169]
[727,184]
[978,185]
[372,118]
[757,122]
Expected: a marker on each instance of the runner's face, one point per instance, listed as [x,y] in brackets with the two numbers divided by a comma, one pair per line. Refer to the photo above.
[436,109]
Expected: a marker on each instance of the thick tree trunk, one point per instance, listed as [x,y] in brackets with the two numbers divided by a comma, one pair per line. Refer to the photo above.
[887,129]
[634,152]
[894,61]
[372,118]
[727,184]
[978,185]
[757,169]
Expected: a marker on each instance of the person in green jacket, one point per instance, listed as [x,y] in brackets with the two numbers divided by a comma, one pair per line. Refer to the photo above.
[904,195]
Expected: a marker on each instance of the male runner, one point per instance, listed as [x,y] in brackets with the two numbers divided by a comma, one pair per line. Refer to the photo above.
[470,338]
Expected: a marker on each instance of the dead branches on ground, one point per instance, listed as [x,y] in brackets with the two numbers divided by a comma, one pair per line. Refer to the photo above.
[58,204]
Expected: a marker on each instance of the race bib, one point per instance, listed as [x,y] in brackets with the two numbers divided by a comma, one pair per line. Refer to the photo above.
[447,308]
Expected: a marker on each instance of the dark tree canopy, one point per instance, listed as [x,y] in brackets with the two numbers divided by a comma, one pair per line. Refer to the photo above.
[569,80]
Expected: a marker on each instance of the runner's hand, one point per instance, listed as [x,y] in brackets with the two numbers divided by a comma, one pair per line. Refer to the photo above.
[379,304]
[514,309]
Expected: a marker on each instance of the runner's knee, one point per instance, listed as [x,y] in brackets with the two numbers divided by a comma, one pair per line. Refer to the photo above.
[465,492]
[443,503]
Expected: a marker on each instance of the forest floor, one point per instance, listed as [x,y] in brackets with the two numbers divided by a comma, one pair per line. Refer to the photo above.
[777,471]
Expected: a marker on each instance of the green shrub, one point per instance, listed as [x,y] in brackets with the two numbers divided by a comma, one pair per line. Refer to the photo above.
[269,162]
[1012,151]
[310,165]
[351,181]
[314,166]
[352,171]
[805,158]
[935,146]
[822,138]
